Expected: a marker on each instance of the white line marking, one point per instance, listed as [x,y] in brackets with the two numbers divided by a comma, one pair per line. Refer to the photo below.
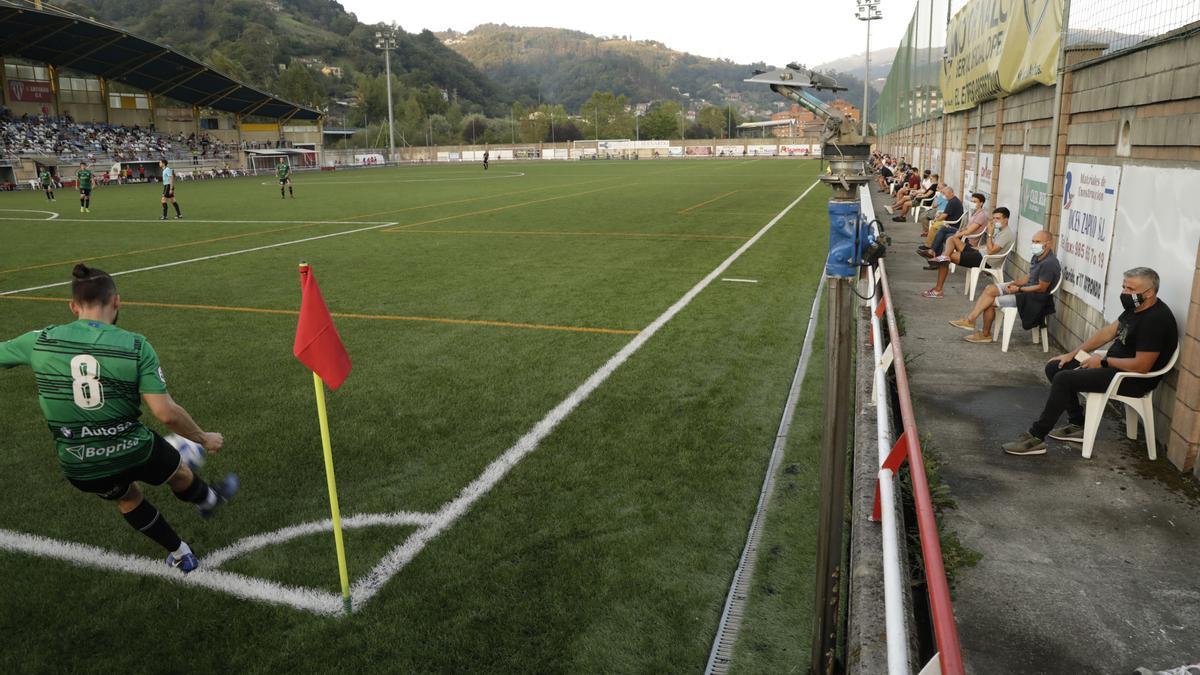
[186,221]
[210,257]
[249,588]
[403,180]
[741,281]
[53,215]
[366,587]
[430,525]
[246,545]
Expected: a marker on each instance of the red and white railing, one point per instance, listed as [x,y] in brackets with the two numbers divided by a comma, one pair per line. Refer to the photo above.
[948,660]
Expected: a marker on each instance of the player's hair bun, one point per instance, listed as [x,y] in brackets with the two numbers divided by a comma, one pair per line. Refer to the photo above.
[81,271]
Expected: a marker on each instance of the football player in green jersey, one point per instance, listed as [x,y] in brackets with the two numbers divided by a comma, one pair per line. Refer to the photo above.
[284,171]
[92,379]
[47,179]
[84,177]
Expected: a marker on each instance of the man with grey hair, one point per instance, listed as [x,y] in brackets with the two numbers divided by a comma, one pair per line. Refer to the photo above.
[1144,338]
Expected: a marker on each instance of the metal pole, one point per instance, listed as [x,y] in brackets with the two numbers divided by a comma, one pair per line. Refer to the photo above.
[866,83]
[827,600]
[387,63]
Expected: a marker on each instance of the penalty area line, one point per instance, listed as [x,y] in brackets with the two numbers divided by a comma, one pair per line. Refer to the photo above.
[370,584]
[215,256]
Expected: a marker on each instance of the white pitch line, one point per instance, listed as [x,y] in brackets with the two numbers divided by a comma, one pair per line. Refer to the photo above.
[186,221]
[53,214]
[366,587]
[404,180]
[741,281]
[246,545]
[209,257]
[249,588]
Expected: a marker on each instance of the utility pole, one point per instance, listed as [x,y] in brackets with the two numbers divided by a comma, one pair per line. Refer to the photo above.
[386,40]
[868,10]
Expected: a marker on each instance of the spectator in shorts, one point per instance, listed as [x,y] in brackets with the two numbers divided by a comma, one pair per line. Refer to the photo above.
[947,238]
[915,198]
[1030,295]
[945,223]
[996,238]
[1144,338]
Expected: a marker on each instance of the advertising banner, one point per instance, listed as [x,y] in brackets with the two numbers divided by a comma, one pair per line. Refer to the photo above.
[983,182]
[1158,228]
[1031,216]
[794,150]
[997,47]
[1085,235]
[1008,189]
[29,91]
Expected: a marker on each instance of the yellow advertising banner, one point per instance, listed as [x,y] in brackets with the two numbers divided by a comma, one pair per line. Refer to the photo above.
[999,47]
[271,127]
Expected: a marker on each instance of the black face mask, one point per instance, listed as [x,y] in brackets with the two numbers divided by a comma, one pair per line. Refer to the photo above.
[1132,300]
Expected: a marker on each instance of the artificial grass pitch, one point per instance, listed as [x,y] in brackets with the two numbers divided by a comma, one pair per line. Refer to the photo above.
[471,304]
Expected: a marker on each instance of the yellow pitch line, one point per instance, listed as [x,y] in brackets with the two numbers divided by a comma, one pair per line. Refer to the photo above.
[499,208]
[349,315]
[706,203]
[640,235]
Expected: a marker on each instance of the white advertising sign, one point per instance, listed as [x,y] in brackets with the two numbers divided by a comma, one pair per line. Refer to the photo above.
[953,167]
[1157,227]
[986,174]
[1008,192]
[1031,211]
[759,150]
[1089,210]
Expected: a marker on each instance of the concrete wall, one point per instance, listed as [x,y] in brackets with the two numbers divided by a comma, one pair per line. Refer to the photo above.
[1138,108]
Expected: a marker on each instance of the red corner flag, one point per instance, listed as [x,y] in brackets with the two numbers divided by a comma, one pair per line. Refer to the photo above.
[318,345]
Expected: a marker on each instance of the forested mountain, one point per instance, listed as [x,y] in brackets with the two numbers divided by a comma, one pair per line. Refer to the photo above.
[258,40]
[566,66]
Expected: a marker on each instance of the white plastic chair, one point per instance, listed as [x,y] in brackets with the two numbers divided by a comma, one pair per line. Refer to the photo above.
[1007,316]
[993,265]
[1135,407]
[924,205]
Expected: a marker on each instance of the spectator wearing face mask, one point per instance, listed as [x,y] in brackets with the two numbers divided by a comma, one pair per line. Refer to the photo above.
[1144,338]
[1030,295]
[948,239]
[996,239]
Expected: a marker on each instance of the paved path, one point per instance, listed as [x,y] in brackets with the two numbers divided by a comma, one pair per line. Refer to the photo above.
[1089,566]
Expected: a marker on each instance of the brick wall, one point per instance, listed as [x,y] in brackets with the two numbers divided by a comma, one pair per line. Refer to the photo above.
[1138,107]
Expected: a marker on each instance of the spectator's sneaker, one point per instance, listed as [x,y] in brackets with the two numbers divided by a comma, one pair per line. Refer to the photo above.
[963,324]
[899,219]
[890,210]
[1026,444]
[923,247]
[979,338]
[186,563]
[1068,432]
[225,490]
[935,295]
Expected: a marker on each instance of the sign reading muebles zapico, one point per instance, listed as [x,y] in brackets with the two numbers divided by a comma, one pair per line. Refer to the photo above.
[999,47]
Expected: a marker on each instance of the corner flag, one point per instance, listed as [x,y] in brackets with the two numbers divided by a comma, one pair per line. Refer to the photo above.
[318,345]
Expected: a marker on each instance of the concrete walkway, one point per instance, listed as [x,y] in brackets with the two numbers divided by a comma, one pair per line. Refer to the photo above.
[1089,566]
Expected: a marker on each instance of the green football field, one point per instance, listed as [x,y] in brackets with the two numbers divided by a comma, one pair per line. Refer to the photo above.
[548,452]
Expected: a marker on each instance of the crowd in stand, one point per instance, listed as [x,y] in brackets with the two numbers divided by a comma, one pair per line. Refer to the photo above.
[1144,338]
[42,135]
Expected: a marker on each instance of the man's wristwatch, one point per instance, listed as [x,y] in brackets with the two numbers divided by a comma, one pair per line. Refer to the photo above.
[1104,362]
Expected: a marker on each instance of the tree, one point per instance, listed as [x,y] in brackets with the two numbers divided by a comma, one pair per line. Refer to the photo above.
[718,121]
[662,121]
[297,84]
[611,113]
[474,129]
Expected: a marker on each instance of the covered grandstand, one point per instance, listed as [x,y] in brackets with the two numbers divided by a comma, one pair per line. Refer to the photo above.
[74,88]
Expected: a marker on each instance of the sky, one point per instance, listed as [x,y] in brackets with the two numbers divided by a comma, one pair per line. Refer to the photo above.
[820,30]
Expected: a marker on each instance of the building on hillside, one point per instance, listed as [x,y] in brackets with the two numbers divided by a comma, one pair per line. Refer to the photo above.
[806,121]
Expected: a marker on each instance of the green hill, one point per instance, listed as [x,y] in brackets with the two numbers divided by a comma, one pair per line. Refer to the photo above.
[253,39]
[566,66]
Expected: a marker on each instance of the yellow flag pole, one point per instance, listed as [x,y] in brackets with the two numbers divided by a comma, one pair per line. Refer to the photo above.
[333,500]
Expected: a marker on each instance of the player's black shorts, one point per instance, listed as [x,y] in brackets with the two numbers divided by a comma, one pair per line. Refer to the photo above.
[86,192]
[164,460]
[168,191]
[285,181]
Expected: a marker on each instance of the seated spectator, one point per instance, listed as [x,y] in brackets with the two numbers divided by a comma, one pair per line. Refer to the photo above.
[996,239]
[1030,295]
[1144,338]
[885,176]
[947,218]
[914,198]
[974,226]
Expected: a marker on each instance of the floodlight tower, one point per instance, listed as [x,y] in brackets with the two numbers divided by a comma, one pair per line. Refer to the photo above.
[868,10]
[386,40]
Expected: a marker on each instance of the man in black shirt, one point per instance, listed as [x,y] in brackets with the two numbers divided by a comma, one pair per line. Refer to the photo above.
[1144,338]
